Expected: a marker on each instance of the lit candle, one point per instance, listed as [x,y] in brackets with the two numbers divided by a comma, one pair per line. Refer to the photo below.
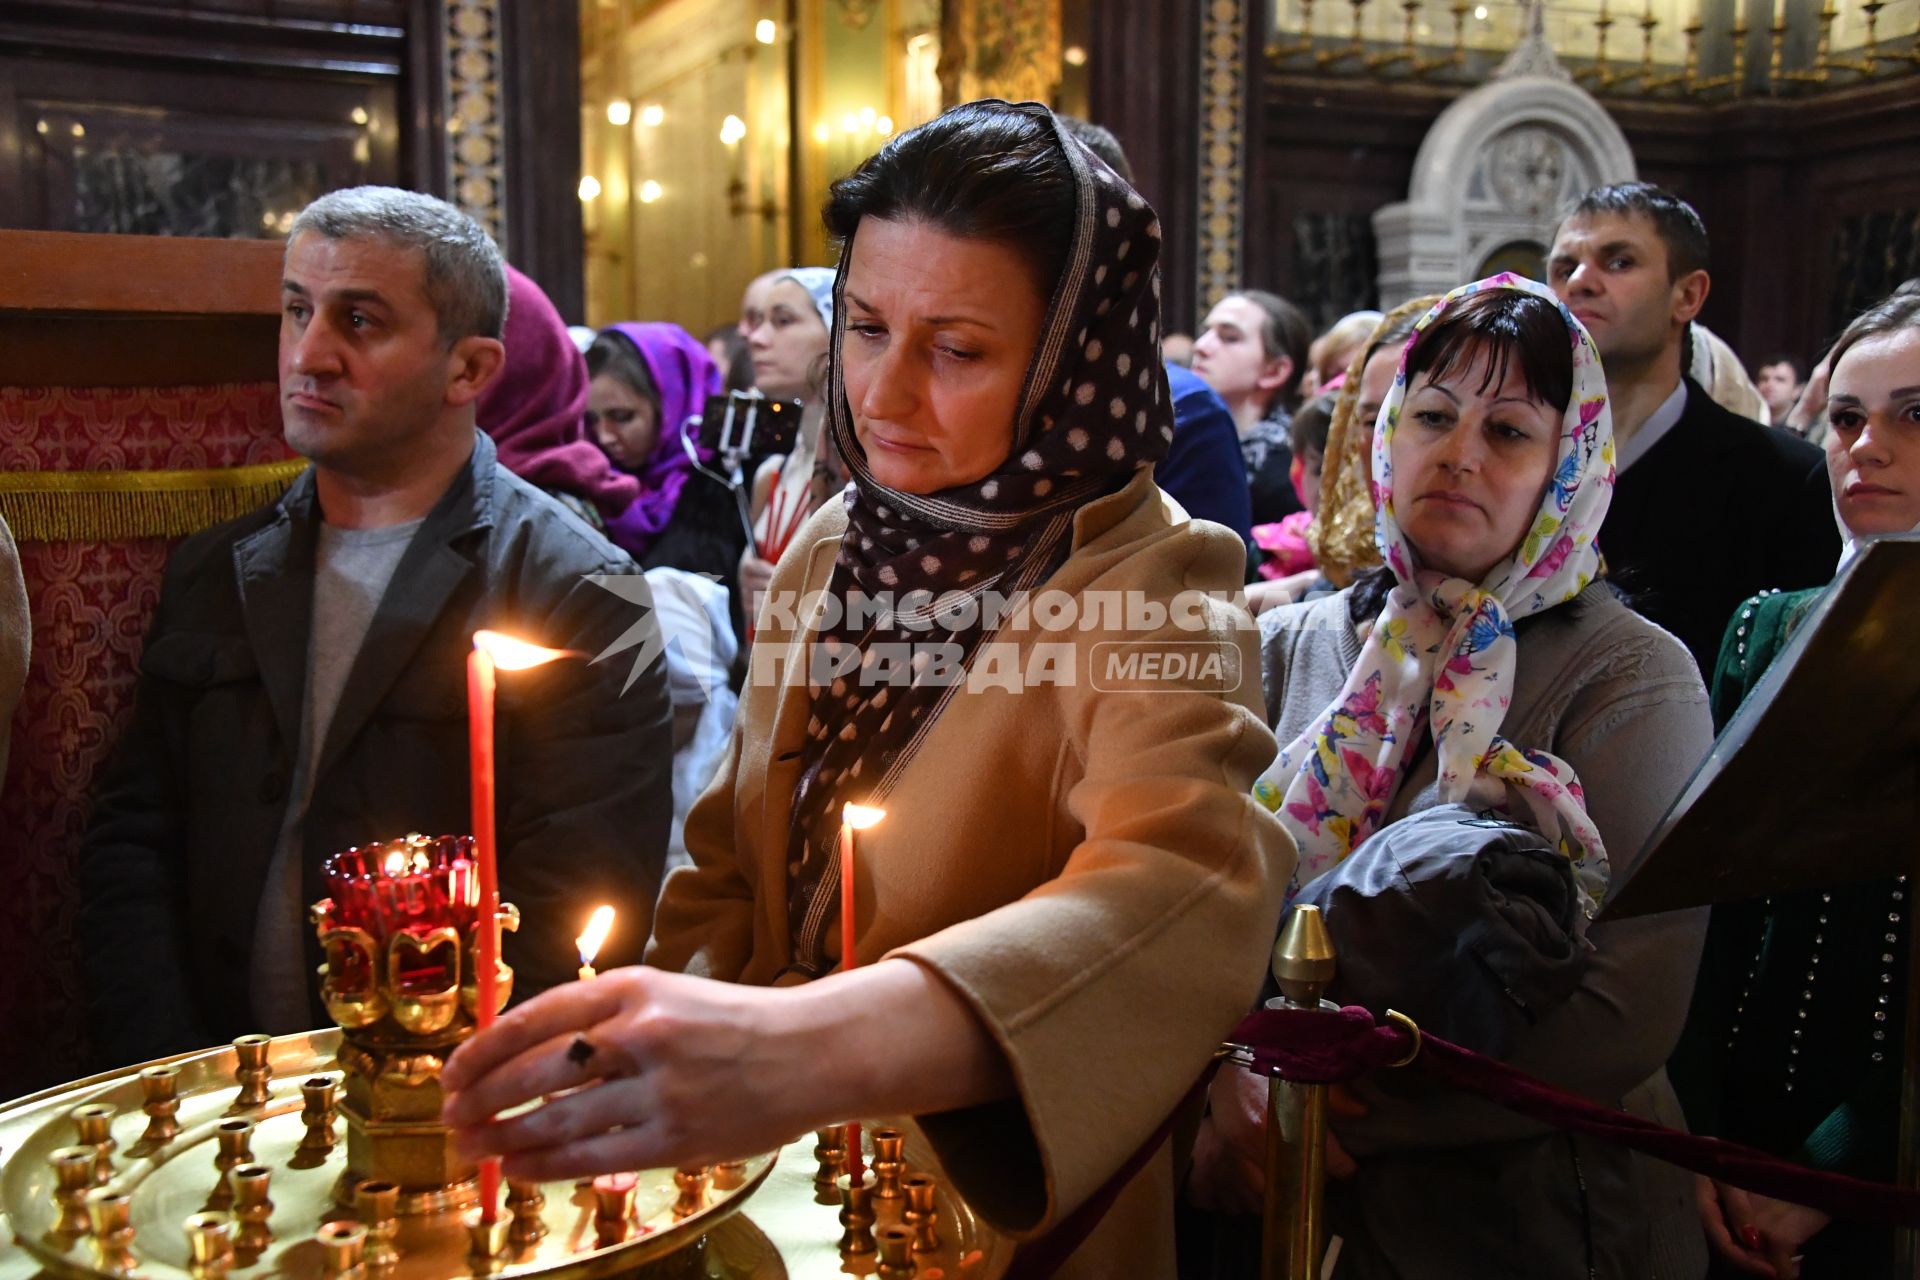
[599,925]
[491,651]
[853,817]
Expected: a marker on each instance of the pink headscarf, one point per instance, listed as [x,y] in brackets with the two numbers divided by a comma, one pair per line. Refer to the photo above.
[536,409]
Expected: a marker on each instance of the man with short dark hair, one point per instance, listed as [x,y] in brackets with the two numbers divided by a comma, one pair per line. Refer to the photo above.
[1779,381]
[302,689]
[1710,507]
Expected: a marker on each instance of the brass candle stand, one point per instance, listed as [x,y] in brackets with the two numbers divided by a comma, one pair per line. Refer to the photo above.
[754,1218]
[1280,51]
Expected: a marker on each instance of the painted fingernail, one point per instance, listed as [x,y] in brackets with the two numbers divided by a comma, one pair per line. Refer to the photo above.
[1750,1237]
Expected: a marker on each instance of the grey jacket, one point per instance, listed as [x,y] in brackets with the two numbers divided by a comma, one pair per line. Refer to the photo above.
[185,822]
[1451,1186]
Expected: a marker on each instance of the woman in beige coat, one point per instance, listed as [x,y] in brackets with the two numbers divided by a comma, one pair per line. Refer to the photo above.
[1070,899]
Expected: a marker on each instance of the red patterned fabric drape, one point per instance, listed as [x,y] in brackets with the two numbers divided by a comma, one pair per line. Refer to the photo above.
[91,603]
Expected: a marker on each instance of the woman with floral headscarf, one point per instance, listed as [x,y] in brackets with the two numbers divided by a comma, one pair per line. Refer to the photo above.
[1485,667]
[1068,901]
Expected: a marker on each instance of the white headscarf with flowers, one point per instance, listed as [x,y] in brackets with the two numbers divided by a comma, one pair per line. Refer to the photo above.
[1442,653]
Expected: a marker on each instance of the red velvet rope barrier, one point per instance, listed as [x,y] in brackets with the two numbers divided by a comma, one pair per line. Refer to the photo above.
[1325,1047]
[1313,1046]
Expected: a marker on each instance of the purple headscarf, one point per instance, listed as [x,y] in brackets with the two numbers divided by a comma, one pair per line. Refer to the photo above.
[684,375]
[535,409]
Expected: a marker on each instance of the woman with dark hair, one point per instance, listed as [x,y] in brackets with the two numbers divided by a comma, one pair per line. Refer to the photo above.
[1067,874]
[1252,350]
[647,381]
[1489,682]
[1795,1037]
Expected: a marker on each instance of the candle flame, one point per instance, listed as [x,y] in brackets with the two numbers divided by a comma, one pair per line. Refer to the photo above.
[395,864]
[860,816]
[510,654]
[599,925]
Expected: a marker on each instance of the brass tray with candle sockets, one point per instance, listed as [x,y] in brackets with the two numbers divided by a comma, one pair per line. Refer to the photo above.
[755,1221]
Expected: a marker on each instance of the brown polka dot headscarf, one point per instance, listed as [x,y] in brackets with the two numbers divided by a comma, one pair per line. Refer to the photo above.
[1093,410]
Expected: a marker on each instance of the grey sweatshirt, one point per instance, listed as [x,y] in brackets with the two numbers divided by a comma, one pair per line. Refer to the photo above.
[1453,1186]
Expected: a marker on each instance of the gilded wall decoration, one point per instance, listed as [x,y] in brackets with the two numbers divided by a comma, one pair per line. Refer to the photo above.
[476,156]
[1222,145]
[1000,49]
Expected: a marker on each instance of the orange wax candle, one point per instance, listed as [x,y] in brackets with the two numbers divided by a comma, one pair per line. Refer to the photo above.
[847,962]
[480,683]
[853,817]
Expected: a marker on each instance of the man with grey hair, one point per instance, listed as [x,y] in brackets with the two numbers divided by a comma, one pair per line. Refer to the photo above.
[302,690]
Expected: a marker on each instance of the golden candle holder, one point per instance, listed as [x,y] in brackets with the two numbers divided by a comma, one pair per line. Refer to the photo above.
[1279,50]
[1356,46]
[401,937]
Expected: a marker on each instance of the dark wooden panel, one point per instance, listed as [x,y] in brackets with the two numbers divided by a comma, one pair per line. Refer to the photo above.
[1144,84]
[122,351]
[118,311]
[545,238]
[46,271]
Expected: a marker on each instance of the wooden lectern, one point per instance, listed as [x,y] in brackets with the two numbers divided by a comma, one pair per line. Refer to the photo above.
[1839,708]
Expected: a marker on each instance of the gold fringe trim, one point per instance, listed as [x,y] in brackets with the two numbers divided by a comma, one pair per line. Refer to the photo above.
[113,506]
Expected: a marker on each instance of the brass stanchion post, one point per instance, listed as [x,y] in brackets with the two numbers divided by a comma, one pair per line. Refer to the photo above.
[1294,1226]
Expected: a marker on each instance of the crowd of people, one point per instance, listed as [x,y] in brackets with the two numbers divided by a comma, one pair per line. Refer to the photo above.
[1513,559]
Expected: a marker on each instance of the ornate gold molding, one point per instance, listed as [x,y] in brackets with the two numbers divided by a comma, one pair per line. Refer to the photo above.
[476,152]
[1222,174]
[67,506]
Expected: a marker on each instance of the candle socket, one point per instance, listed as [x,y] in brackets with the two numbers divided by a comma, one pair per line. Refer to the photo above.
[486,1241]
[525,1200]
[889,1162]
[612,1206]
[253,1071]
[830,1149]
[160,1087]
[72,1179]
[920,1212]
[856,1214]
[729,1174]
[693,1185]
[253,1208]
[378,1204]
[321,1097]
[896,1253]
[209,1243]
[343,1247]
[110,1218]
[93,1122]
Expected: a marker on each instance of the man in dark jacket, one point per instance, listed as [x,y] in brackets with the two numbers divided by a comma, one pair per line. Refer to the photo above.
[1203,470]
[303,686]
[1710,507]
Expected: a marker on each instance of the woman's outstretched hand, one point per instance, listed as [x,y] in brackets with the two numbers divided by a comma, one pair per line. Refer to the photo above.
[685,1071]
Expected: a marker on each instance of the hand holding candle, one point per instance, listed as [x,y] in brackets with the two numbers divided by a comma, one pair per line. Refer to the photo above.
[491,652]
[592,938]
